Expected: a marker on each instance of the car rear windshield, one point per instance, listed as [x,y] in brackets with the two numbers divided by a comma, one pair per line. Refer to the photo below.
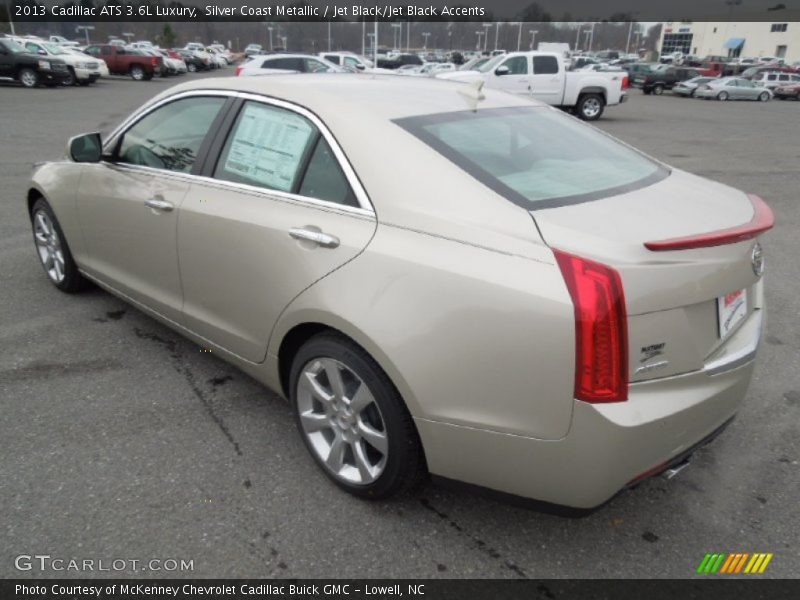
[536,157]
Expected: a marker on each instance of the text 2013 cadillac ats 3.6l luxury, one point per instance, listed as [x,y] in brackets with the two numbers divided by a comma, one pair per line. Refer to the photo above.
[439,279]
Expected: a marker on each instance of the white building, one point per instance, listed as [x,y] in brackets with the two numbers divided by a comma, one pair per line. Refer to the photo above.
[779,38]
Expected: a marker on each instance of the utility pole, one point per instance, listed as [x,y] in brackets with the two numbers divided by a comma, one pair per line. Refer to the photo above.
[533,37]
[486,27]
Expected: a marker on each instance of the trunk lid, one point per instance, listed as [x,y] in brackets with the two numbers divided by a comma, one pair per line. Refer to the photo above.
[671,296]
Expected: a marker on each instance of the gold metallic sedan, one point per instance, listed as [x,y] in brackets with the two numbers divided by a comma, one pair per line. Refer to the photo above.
[439,279]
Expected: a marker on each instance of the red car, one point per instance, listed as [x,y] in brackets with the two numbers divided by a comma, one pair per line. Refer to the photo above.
[124,61]
[791,90]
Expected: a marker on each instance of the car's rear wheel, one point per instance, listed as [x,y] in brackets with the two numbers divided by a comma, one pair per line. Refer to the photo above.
[28,78]
[352,419]
[137,73]
[658,90]
[53,250]
[763,97]
[590,107]
[723,96]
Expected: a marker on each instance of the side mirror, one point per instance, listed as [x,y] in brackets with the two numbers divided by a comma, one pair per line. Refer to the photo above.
[502,70]
[360,67]
[42,52]
[85,148]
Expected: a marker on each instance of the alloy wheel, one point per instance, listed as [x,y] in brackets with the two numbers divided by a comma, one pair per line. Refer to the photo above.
[28,78]
[341,421]
[48,246]
[591,107]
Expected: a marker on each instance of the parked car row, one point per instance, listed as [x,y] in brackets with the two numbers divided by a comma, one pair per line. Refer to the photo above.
[34,61]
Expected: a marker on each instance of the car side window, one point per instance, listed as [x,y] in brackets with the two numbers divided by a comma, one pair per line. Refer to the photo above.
[324,178]
[332,58]
[350,62]
[277,149]
[267,148]
[287,64]
[545,65]
[517,65]
[315,66]
[170,137]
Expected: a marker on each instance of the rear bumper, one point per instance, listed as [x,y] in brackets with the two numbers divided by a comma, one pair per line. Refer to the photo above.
[608,447]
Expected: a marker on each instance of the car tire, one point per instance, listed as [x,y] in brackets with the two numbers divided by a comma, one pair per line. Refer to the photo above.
[658,90]
[763,97]
[71,79]
[53,250]
[137,73]
[358,431]
[191,67]
[28,77]
[590,107]
[691,94]
[722,96]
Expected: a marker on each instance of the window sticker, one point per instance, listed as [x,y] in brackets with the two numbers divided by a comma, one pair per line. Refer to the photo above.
[267,146]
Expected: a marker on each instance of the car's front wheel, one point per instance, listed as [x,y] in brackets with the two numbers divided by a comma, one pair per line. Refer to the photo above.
[70,79]
[28,78]
[763,97]
[353,420]
[191,67]
[658,90]
[53,251]
[137,73]
[590,107]
[723,96]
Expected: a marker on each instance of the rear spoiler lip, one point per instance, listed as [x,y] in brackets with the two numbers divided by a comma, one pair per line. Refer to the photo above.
[763,220]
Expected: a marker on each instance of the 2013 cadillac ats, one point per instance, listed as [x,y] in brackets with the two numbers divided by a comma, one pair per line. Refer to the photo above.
[438,278]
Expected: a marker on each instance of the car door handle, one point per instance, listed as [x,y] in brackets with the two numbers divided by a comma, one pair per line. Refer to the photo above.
[322,239]
[159,204]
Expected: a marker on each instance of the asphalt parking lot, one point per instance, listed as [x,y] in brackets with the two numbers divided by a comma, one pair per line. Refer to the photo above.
[122,440]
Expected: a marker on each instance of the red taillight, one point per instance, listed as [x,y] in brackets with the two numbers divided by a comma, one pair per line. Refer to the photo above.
[626,82]
[154,61]
[239,70]
[601,329]
[762,220]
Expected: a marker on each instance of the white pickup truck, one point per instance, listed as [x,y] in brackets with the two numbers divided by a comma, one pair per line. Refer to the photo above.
[542,76]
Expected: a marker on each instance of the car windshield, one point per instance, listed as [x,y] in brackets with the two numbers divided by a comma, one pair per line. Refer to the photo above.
[13,46]
[535,156]
[53,48]
[491,63]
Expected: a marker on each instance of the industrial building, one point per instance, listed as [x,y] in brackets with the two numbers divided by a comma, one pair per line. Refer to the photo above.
[779,38]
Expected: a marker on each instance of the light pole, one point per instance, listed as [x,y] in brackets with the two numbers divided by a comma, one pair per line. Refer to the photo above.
[533,36]
[128,35]
[329,36]
[478,45]
[628,43]
[285,40]
[578,36]
[397,35]
[586,38]
[519,34]
[85,29]
[375,46]
[425,35]
[270,38]
[363,38]
[591,36]
[10,20]
[496,34]
[486,27]
[371,37]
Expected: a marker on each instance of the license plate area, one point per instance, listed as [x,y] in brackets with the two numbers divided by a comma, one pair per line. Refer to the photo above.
[731,310]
